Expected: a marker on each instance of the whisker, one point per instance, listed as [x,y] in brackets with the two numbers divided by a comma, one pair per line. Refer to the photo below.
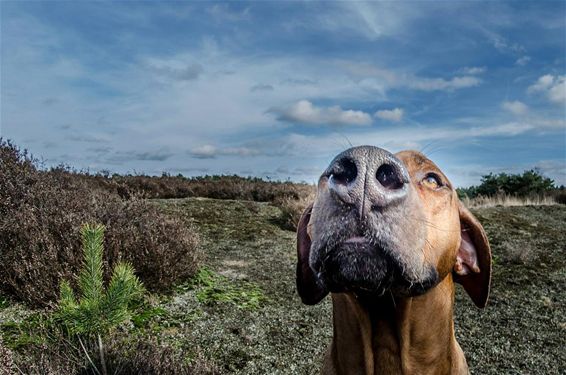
[429,144]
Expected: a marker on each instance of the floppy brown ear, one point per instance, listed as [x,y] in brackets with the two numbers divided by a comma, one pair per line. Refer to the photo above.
[473,262]
[309,287]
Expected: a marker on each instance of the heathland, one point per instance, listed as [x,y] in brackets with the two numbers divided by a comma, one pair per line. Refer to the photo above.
[217,258]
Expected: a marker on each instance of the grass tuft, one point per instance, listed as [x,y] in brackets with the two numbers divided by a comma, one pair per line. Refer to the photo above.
[506,200]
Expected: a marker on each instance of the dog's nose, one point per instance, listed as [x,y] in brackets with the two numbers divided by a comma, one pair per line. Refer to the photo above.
[368,177]
[390,176]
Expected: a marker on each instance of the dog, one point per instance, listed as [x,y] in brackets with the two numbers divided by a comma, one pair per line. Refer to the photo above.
[388,237]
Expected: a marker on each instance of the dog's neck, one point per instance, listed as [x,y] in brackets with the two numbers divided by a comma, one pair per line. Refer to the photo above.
[392,335]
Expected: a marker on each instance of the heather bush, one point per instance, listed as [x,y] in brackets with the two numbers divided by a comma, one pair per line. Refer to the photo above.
[217,187]
[40,218]
[6,359]
[292,209]
[167,186]
[124,355]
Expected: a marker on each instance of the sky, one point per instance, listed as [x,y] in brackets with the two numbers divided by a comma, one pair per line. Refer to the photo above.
[277,89]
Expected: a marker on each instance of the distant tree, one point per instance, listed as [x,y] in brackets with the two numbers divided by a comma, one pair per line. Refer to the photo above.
[492,184]
[468,192]
[528,183]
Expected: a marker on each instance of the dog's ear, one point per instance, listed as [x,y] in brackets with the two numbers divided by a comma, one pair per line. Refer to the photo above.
[473,261]
[308,285]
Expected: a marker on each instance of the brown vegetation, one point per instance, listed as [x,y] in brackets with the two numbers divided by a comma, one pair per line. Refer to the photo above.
[125,357]
[291,209]
[167,186]
[217,187]
[507,200]
[6,359]
[40,218]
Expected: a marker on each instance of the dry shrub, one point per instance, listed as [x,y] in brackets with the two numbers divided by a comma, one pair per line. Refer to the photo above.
[517,252]
[45,360]
[6,360]
[507,200]
[151,357]
[217,187]
[123,355]
[291,209]
[40,218]
[560,196]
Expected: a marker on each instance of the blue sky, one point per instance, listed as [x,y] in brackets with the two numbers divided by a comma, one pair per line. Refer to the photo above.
[276,89]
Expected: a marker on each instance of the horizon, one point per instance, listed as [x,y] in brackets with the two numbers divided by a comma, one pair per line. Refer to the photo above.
[40,164]
[276,90]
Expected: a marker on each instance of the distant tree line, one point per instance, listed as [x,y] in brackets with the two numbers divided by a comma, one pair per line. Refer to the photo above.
[529,183]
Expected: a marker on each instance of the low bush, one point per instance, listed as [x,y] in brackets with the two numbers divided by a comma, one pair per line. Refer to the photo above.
[292,209]
[6,359]
[124,355]
[40,218]
[166,186]
[217,187]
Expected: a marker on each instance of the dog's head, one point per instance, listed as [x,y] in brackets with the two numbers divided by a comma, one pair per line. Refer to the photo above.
[388,223]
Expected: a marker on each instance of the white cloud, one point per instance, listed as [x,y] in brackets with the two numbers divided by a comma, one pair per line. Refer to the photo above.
[437,84]
[240,151]
[554,87]
[522,61]
[395,114]
[223,13]
[515,107]
[204,152]
[400,136]
[371,20]
[385,78]
[557,93]
[323,147]
[472,70]
[502,44]
[211,152]
[305,112]
[179,69]
[122,156]
[543,83]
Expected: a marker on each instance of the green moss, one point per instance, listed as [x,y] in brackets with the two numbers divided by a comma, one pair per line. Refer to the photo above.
[34,329]
[211,289]
[145,316]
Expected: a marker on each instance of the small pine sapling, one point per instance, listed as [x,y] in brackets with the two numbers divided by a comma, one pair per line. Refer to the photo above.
[97,310]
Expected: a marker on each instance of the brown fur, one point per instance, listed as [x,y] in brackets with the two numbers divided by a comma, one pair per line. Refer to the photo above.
[400,332]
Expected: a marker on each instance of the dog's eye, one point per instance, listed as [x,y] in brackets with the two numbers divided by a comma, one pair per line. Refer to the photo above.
[433,181]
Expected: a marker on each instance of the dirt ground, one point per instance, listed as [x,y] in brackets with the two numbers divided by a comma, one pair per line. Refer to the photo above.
[522,330]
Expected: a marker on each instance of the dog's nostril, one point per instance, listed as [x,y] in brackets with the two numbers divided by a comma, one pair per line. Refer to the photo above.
[344,172]
[388,177]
